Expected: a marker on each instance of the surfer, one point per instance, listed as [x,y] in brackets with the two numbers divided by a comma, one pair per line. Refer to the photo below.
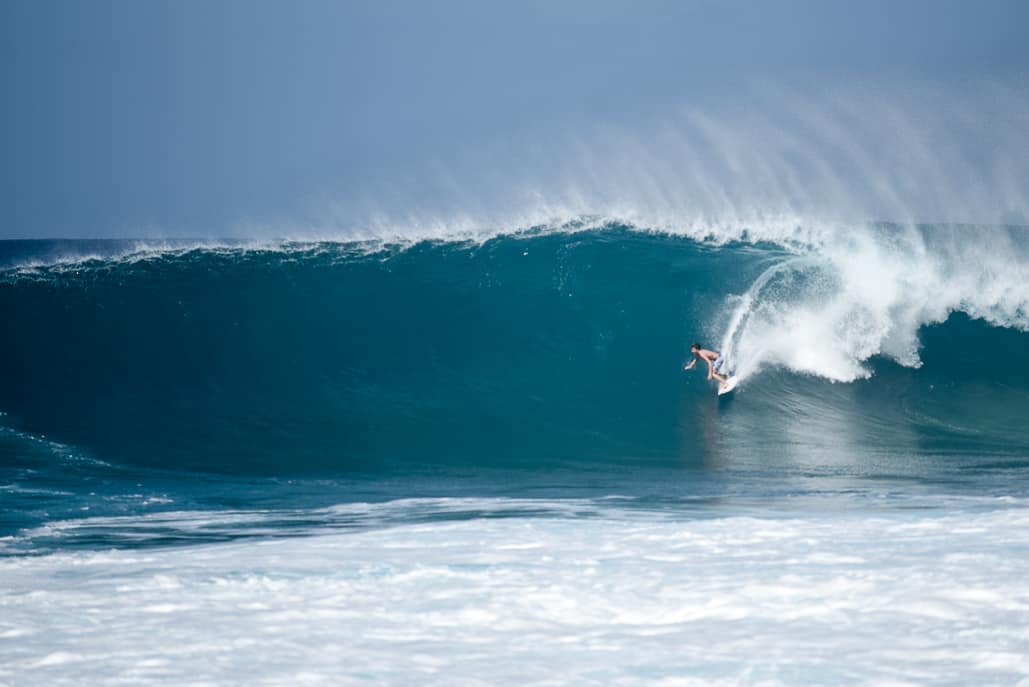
[715,362]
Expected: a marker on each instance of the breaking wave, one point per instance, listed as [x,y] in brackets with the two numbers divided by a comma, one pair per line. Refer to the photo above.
[561,342]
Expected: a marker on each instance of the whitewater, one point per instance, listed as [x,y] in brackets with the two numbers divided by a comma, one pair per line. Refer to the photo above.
[474,458]
[614,598]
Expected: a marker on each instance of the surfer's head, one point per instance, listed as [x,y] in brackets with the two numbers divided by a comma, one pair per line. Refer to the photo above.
[695,347]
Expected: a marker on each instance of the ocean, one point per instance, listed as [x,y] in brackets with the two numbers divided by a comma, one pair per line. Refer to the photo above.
[477,459]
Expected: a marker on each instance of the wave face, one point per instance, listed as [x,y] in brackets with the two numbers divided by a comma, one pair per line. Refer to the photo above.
[524,349]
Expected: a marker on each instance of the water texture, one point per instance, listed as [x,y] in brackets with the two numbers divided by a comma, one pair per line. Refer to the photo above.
[477,460]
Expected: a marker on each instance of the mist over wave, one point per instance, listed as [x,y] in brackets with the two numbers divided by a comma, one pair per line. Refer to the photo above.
[769,158]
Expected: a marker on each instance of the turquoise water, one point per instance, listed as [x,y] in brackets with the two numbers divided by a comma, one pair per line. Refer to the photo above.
[172,413]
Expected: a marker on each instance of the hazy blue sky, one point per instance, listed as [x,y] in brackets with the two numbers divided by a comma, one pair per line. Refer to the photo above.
[137,117]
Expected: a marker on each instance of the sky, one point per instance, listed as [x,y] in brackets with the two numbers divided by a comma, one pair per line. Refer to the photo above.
[217,118]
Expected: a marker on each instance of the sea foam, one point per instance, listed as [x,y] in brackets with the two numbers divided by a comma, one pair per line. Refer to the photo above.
[849,294]
[901,597]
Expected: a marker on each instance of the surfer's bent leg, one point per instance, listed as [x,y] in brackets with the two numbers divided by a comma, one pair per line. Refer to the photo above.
[716,369]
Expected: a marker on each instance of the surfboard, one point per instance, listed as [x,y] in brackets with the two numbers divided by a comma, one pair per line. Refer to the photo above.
[727,386]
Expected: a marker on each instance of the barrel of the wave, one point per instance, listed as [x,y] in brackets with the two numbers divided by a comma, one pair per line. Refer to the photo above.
[344,357]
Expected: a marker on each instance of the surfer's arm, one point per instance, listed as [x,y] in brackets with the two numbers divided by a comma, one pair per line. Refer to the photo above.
[690,364]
